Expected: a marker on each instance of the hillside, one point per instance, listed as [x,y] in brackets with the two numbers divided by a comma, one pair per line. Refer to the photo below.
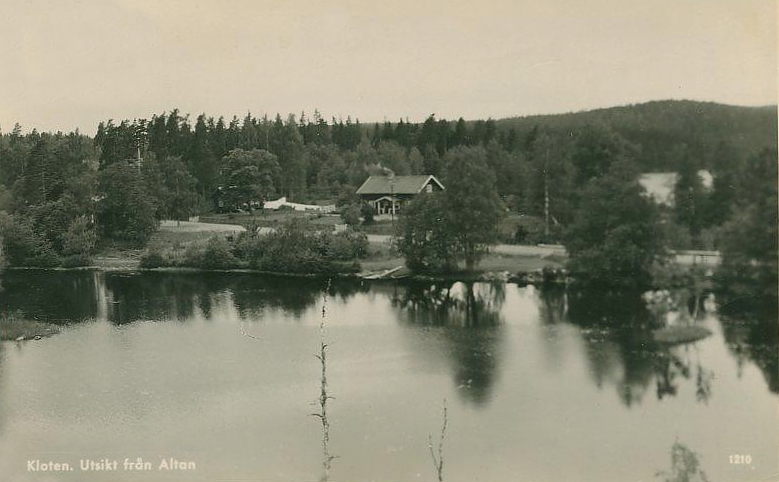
[659,128]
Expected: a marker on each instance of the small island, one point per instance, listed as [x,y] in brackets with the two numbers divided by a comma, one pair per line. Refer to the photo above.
[14,328]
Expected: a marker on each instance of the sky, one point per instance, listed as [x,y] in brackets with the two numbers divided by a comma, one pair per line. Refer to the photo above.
[67,64]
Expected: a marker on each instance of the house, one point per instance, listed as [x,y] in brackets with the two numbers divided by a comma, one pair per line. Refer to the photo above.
[388,194]
[659,186]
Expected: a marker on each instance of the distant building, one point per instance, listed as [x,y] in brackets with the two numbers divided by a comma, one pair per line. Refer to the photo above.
[659,186]
[389,194]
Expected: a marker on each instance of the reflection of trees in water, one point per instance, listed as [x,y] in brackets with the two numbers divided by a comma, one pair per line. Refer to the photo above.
[750,326]
[154,296]
[53,296]
[470,321]
[682,362]
[122,298]
[685,466]
[616,329]
[160,296]
[252,295]
[453,304]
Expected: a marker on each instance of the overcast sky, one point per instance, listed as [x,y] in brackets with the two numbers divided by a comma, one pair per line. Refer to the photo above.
[67,64]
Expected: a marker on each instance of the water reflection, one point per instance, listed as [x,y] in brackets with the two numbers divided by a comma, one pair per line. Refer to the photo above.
[398,349]
[453,303]
[748,315]
[614,328]
[469,317]
[616,331]
[162,296]
[52,296]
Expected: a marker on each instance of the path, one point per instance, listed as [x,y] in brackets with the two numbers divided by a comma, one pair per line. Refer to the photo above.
[687,257]
[541,250]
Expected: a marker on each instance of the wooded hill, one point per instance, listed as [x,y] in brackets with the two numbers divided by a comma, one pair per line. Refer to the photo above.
[658,129]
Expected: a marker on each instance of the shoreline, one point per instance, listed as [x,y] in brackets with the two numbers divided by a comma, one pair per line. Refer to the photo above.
[22,329]
[521,277]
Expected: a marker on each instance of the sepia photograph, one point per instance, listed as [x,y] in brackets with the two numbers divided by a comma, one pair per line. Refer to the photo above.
[407,241]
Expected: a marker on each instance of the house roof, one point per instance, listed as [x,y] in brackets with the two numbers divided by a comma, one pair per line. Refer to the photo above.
[400,184]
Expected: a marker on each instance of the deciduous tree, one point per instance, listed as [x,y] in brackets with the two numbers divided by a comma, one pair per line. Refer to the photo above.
[615,237]
[249,176]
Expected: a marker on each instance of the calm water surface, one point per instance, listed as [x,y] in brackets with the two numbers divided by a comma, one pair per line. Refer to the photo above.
[539,386]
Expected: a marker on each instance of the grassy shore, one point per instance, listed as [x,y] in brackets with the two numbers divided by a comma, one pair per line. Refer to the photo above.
[171,237]
[13,327]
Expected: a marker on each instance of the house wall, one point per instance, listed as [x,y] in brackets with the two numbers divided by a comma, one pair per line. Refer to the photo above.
[403,199]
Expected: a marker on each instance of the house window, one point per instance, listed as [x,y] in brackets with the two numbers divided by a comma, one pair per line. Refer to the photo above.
[429,188]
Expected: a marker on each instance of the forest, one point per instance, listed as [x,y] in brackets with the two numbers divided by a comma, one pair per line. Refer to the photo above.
[62,195]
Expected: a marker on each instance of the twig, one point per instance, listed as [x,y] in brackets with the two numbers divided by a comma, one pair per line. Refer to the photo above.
[438,462]
[327,458]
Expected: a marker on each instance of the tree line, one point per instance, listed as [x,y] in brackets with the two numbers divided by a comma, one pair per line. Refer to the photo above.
[63,194]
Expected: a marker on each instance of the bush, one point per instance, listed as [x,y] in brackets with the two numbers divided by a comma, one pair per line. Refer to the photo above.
[244,244]
[45,258]
[151,259]
[22,247]
[350,214]
[348,245]
[294,248]
[676,235]
[194,255]
[218,255]
[367,212]
[80,238]
[528,230]
[76,260]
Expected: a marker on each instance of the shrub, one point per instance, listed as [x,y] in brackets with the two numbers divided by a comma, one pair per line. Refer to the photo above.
[245,243]
[367,213]
[676,235]
[294,248]
[350,214]
[22,247]
[151,259]
[45,258]
[348,245]
[193,255]
[531,230]
[80,238]
[218,255]
[75,260]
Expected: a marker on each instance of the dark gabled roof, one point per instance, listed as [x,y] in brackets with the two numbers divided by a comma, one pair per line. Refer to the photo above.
[400,184]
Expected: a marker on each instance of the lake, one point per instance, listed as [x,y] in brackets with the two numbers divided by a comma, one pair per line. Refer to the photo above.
[219,370]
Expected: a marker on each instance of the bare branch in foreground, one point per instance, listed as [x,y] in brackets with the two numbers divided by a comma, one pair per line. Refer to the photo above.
[327,458]
[438,462]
